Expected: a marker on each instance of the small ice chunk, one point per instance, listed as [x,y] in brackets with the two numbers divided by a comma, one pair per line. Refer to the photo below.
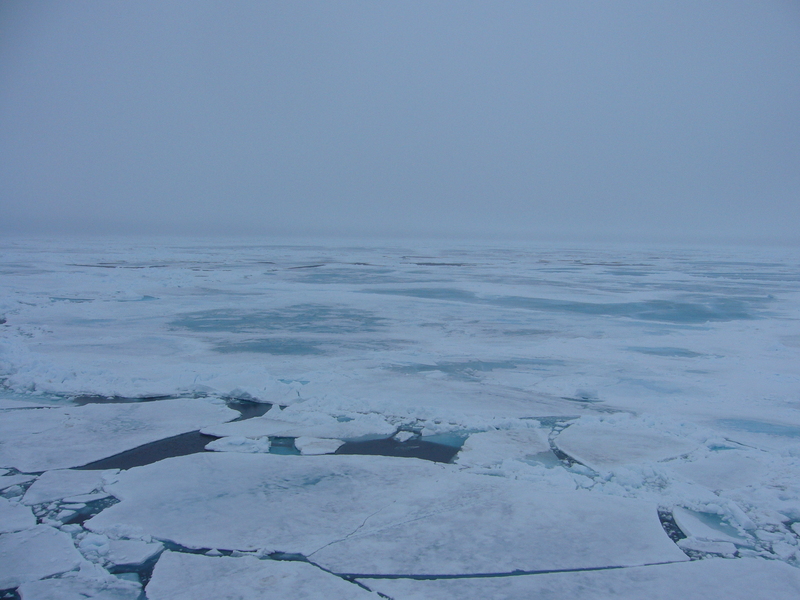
[10,480]
[239,444]
[298,424]
[55,485]
[81,588]
[312,445]
[493,447]
[195,577]
[94,546]
[15,516]
[35,553]
[404,436]
[693,525]
[84,498]
[131,552]
[726,549]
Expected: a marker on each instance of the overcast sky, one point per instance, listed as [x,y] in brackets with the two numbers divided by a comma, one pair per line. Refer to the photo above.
[615,120]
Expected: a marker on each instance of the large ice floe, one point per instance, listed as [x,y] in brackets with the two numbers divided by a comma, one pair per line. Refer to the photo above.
[416,421]
[364,514]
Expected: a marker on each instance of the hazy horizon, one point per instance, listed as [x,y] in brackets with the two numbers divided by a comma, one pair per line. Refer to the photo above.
[623,121]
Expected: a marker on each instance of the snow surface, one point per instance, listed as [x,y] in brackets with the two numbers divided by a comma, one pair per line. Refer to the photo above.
[194,577]
[671,375]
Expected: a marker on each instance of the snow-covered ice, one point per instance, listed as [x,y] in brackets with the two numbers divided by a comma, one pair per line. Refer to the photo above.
[605,442]
[35,553]
[493,447]
[81,588]
[714,579]
[61,483]
[56,438]
[360,514]
[670,375]
[15,516]
[194,577]
[312,445]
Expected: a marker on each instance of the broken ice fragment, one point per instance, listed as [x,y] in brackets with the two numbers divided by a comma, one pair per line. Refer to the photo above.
[196,577]
[131,552]
[58,484]
[15,517]
[239,444]
[312,445]
[35,553]
[57,438]
[493,447]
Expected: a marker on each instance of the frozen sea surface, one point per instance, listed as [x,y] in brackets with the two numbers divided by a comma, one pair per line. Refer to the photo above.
[634,411]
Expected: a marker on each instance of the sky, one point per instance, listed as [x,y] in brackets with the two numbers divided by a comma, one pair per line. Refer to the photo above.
[641,120]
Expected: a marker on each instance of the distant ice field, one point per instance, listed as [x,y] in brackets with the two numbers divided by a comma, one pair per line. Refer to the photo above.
[668,377]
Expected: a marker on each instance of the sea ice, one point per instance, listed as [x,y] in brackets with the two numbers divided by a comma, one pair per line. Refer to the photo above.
[312,445]
[35,553]
[80,588]
[713,579]
[603,444]
[62,483]
[364,514]
[693,525]
[15,516]
[57,438]
[194,577]
[723,470]
[493,447]
[304,424]
[131,552]
[9,480]
[239,444]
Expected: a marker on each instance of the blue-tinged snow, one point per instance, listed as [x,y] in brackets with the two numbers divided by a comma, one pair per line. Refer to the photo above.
[601,399]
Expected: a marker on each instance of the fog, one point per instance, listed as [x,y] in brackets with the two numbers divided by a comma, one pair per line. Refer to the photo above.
[548,120]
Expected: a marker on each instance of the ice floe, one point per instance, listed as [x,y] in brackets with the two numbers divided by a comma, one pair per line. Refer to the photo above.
[235,443]
[312,445]
[193,577]
[35,553]
[713,579]
[15,516]
[605,442]
[61,483]
[57,438]
[493,447]
[377,514]
[86,584]
[291,423]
